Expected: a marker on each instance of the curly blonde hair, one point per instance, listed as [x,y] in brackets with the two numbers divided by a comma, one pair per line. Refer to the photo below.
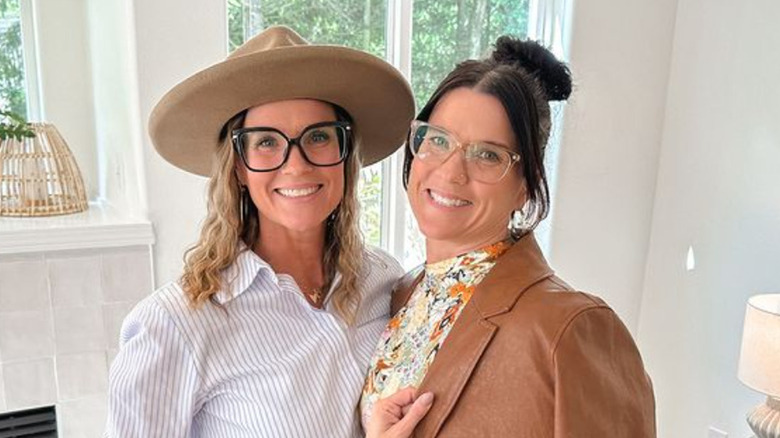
[218,245]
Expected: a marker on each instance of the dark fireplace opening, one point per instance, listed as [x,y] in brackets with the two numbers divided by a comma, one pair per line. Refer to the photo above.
[29,423]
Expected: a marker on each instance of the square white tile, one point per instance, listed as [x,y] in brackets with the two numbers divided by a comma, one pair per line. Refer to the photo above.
[29,383]
[81,374]
[79,329]
[82,418]
[127,275]
[26,335]
[113,316]
[74,281]
[23,286]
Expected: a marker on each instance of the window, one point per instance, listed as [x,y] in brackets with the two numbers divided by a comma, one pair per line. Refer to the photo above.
[12,83]
[425,39]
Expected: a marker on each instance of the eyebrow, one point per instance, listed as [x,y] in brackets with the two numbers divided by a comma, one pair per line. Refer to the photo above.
[300,131]
[495,143]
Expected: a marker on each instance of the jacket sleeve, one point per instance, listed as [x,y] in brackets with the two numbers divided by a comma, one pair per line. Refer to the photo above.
[154,381]
[601,387]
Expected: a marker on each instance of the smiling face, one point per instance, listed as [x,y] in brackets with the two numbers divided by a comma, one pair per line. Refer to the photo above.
[456,213]
[299,196]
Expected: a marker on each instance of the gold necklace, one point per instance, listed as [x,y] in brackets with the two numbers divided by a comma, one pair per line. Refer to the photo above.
[315,295]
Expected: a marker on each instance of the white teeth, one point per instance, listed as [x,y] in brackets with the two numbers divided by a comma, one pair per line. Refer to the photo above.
[297,193]
[447,202]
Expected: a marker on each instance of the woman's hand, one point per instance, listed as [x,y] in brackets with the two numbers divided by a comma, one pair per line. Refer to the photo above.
[396,416]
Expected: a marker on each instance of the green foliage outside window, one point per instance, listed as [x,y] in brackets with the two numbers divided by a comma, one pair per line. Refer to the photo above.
[445,33]
[12,90]
[354,23]
[370,197]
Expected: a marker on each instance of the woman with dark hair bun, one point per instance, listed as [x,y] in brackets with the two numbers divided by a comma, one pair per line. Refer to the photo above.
[505,346]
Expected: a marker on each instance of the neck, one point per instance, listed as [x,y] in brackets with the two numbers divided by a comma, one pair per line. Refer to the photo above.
[298,253]
[438,250]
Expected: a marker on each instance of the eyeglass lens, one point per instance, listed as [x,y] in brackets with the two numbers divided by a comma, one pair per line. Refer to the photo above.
[484,162]
[268,149]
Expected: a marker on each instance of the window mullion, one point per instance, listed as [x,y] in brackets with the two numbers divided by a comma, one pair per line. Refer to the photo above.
[399,53]
[549,21]
[29,47]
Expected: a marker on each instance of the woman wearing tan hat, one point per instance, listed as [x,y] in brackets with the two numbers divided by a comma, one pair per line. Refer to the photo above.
[269,330]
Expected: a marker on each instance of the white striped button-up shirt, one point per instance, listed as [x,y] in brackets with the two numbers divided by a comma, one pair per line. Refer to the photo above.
[267,365]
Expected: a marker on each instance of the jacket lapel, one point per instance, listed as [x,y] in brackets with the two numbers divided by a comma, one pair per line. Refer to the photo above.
[404,287]
[452,367]
[520,267]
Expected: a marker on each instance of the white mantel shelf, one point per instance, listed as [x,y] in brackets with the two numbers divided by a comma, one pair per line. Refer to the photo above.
[99,227]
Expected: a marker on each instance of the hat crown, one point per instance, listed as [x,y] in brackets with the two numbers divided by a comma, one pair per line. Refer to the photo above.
[274,37]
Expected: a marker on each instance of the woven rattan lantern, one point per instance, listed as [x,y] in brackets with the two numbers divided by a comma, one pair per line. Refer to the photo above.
[39,176]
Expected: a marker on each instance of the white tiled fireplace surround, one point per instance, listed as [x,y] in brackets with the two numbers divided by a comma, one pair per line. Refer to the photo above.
[61,309]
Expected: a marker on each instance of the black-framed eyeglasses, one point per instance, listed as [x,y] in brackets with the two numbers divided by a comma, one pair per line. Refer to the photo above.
[265,149]
[485,162]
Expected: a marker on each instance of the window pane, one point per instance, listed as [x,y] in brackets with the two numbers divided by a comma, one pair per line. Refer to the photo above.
[370,196]
[12,86]
[444,34]
[355,23]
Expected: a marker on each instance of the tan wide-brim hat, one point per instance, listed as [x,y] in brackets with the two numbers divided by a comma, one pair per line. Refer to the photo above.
[278,64]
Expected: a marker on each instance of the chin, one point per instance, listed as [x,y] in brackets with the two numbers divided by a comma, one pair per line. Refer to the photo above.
[297,223]
[441,232]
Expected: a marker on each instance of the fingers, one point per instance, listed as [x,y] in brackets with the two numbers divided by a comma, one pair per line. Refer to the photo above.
[389,411]
[414,413]
[400,402]
[403,397]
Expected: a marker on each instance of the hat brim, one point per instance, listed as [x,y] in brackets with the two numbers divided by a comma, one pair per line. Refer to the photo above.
[186,123]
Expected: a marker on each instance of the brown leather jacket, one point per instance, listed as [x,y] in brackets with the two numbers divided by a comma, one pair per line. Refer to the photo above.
[530,357]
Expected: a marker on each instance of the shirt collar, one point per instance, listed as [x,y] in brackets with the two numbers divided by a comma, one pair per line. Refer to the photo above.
[522,266]
[240,275]
[470,261]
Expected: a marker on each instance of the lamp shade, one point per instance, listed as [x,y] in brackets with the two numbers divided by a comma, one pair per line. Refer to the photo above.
[759,358]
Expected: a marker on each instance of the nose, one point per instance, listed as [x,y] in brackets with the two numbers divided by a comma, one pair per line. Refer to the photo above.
[296,163]
[453,168]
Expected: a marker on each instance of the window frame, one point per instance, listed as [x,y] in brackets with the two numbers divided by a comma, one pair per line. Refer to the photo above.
[30,51]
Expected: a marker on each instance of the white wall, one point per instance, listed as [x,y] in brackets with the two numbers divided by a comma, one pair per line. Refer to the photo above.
[619,55]
[719,192]
[174,39]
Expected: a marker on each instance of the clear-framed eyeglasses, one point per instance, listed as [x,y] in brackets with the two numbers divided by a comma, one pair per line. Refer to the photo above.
[265,149]
[485,162]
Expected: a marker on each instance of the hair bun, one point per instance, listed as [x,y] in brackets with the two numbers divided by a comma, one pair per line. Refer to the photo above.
[553,74]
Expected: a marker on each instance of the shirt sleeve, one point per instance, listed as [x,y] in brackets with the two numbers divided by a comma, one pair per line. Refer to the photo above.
[154,381]
[601,387]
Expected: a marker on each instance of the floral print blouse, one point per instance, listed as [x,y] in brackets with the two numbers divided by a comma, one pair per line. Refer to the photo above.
[415,334]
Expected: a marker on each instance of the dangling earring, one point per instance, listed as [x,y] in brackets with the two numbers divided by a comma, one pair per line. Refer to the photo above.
[517,222]
[332,217]
[243,203]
